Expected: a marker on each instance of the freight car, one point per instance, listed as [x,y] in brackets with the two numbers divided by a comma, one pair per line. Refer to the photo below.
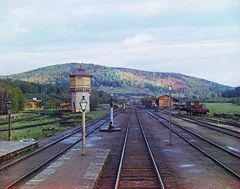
[195,108]
[148,102]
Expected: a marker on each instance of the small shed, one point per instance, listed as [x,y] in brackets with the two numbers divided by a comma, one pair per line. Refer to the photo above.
[32,105]
[164,101]
[65,106]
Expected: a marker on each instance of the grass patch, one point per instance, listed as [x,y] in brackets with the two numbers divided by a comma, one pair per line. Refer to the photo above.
[37,120]
[23,115]
[36,133]
[226,108]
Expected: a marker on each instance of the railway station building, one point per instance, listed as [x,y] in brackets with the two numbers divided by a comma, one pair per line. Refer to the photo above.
[164,101]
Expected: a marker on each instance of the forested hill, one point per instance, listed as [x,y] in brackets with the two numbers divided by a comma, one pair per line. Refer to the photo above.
[125,80]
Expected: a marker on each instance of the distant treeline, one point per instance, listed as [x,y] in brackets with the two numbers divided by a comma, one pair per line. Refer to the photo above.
[127,80]
[232,93]
[30,87]
[51,94]
[13,93]
[20,91]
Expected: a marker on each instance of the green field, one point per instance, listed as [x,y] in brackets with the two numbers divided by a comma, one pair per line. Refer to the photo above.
[226,108]
[36,133]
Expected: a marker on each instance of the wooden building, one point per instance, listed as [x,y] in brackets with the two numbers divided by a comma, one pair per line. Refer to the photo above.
[65,106]
[32,105]
[164,101]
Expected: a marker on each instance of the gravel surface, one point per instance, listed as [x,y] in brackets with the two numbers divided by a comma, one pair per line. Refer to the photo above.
[189,168]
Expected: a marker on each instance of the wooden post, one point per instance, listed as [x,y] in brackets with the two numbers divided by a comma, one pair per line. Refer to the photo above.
[9,126]
[83,133]
[170,117]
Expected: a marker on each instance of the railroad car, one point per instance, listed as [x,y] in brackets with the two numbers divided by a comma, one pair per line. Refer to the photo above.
[195,108]
[147,102]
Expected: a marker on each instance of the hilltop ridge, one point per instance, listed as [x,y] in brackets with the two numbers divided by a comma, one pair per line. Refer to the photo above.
[125,80]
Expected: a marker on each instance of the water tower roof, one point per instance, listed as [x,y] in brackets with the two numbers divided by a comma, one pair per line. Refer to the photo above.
[81,72]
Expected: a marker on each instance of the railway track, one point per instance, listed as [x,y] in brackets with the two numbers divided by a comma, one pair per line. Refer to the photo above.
[227,159]
[33,125]
[226,131]
[214,120]
[27,166]
[137,166]
[20,119]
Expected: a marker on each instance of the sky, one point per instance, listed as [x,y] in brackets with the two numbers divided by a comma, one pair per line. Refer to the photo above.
[196,38]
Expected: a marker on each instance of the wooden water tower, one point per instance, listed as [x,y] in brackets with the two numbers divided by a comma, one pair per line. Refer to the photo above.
[80,85]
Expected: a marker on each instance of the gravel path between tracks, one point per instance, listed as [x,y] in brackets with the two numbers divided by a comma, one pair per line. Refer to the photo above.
[189,168]
[228,142]
[234,128]
[113,141]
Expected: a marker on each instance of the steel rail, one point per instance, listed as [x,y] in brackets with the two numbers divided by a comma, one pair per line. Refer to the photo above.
[150,152]
[207,123]
[17,181]
[199,136]
[122,155]
[34,125]
[213,127]
[30,126]
[212,120]
[199,149]
[210,126]
[20,119]
[48,145]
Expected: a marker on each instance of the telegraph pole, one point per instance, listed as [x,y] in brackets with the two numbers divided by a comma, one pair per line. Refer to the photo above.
[170,114]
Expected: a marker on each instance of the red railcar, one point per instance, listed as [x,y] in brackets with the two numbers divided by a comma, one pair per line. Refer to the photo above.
[195,108]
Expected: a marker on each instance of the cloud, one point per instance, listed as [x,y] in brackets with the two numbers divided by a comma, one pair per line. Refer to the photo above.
[154,8]
[206,60]
[139,39]
[185,36]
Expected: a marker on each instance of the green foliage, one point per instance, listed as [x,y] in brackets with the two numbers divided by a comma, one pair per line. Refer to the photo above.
[227,108]
[98,97]
[123,79]
[231,93]
[8,91]
[36,133]
[35,88]
[20,91]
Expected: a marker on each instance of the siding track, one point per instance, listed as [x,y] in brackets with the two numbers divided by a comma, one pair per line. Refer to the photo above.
[227,159]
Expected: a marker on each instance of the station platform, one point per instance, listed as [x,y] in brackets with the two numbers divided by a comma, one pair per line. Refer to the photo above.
[10,149]
[72,170]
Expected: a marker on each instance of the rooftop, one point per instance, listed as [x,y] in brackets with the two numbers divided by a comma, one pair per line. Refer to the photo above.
[81,72]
